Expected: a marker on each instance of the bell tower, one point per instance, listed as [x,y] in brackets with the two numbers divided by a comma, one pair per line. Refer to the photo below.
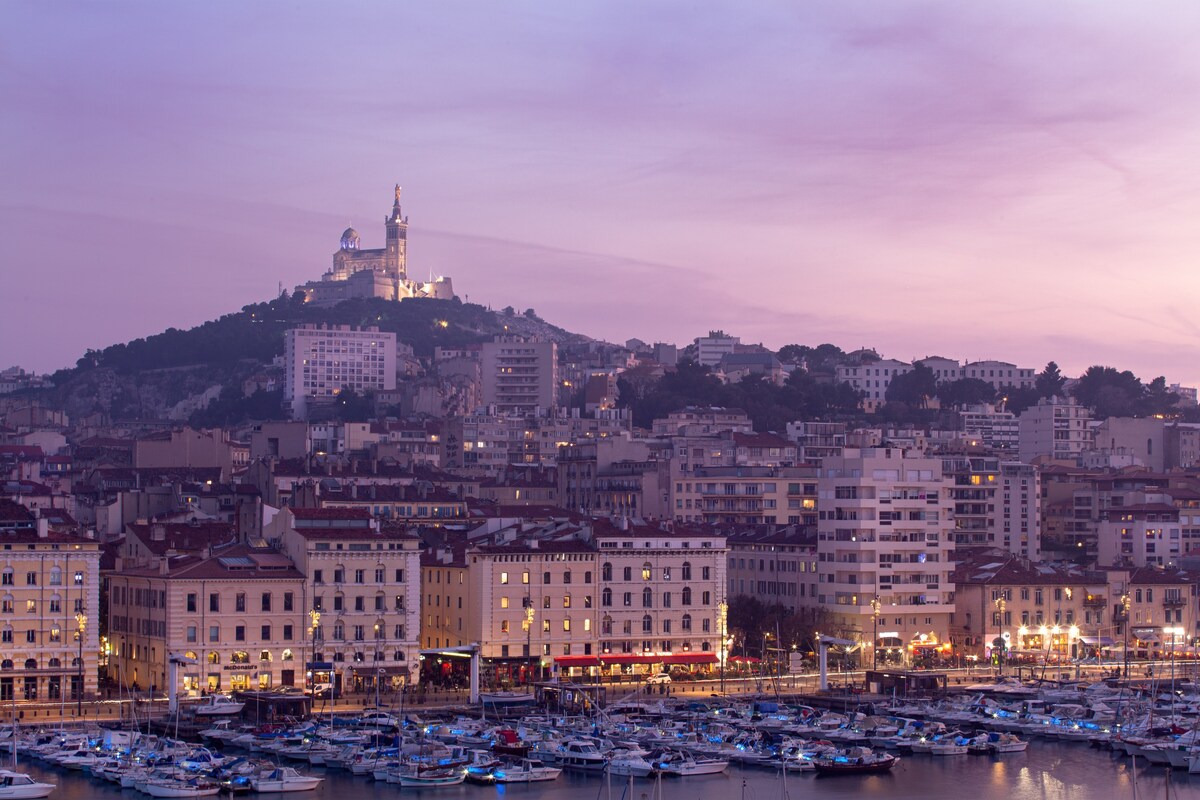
[397,239]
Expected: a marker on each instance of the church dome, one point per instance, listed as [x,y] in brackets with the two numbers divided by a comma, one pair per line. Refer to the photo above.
[350,239]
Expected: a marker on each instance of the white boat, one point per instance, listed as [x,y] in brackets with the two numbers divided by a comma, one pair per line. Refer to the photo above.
[19,786]
[625,764]
[170,787]
[218,705]
[430,778]
[525,771]
[684,764]
[581,755]
[284,779]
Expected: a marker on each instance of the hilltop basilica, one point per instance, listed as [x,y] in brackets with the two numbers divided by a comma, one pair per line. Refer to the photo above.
[358,273]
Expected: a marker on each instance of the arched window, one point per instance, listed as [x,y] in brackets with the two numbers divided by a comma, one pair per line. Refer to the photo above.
[606,597]
[339,656]
[54,662]
[567,624]
[214,658]
[240,657]
[191,655]
[31,663]
[265,655]
[647,598]
[286,656]
[647,624]
[55,576]
[687,570]
[360,657]
[706,647]
[6,664]
[687,595]
[606,571]
[686,622]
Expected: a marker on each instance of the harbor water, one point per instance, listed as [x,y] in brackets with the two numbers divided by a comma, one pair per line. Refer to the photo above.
[1046,771]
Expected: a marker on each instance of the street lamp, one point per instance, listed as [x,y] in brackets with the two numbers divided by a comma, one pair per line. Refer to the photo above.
[81,628]
[1125,627]
[1000,604]
[314,617]
[1173,632]
[875,633]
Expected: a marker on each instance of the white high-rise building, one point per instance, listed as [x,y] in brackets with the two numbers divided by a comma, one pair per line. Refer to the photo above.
[1056,428]
[322,360]
[885,538]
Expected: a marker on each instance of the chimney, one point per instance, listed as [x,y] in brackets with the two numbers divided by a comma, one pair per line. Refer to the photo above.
[43,527]
[158,532]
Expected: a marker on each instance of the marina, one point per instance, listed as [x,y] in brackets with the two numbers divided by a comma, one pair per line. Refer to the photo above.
[1006,738]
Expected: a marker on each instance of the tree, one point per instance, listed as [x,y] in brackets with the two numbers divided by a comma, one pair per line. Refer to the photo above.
[1109,392]
[1017,399]
[1050,381]
[965,392]
[914,387]
[353,407]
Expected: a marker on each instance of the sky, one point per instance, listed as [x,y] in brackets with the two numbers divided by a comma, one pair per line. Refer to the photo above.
[1016,181]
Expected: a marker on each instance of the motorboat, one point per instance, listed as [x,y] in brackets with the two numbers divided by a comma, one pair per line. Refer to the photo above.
[626,763]
[284,779]
[581,754]
[179,787]
[855,761]
[525,771]
[430,778]
[218,705]
[683,764]
[19,786]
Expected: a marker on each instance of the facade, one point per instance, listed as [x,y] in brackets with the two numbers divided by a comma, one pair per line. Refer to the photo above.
[1000,374]
[236,614]
[817,440]
[49,607]
[995,430]
[363,582]
[745,495]
[872,379]
[612,477]
[322,360]
[519,376]
[712,348]
[662,599]
[885,540]
[1055,428]
[1017,514]
[774,566]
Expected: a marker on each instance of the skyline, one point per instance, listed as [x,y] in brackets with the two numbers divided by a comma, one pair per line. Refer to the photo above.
[1014,183]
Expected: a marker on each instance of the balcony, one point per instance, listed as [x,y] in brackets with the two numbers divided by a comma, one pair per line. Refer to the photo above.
[1095,601]
[1173,601]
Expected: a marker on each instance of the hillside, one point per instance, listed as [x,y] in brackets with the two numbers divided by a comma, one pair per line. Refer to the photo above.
[178,371]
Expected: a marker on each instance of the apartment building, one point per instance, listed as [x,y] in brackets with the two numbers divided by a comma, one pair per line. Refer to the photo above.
[872,379]
[885,539]
[776,566]
[49,607]
[363,580]
[235,612]
[746,495]
[1056,428]
[662,600]
[321,360]
[519,376]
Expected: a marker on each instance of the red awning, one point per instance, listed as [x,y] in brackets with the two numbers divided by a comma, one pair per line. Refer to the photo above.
[629,658]
[690,658]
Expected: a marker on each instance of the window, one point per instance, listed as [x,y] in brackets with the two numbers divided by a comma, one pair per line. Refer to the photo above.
[339,575]
[525,577]
[191,633]
[567,624]
[504,602]
[566,601]
[587,577]
[686,622]
[214,633]
[6,578]
[380,574]
[567,576]
[266,633]
[647,598]
[687,596]
[266,601]
[338,602]
[360,576]
[628,599]
[79,579]
[546,578]
[191,602]
[647,571]
[504,626]
[239,602]
[629,573]
[666,599]
[318,576]
[546,601]
[647,624]
[686,571]
[31,578]
[287,637]
[606,597]
[503,578]
[606,572]
[239,633]
[214,602]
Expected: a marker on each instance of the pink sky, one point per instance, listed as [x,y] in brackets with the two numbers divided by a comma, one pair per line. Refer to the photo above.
[1015,181]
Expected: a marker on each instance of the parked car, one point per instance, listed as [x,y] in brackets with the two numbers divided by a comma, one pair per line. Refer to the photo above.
[325,691]
[659,678]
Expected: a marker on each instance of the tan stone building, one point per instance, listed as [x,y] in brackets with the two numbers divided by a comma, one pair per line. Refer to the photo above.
[237,611]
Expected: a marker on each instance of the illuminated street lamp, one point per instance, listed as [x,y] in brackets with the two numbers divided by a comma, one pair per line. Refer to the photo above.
[998,644]
[314,617]
[81,628]
[875,633]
